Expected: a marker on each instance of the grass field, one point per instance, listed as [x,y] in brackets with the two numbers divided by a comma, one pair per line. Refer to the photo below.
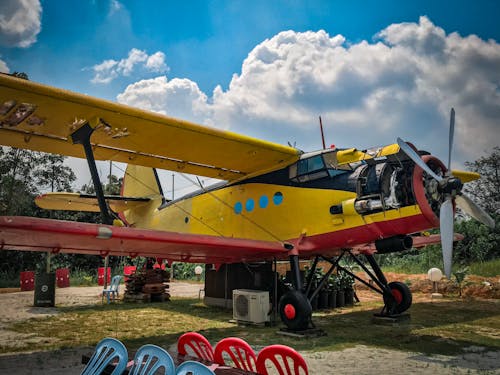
[443,327]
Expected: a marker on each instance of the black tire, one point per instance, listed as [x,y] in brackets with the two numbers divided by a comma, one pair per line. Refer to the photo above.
[295,310]
[401,298]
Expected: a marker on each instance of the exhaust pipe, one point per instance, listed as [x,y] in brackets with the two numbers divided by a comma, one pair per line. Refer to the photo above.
[394,244]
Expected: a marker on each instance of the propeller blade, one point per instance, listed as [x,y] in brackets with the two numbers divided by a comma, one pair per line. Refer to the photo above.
[446,228]
[452,132]
[417,159]
[472,209]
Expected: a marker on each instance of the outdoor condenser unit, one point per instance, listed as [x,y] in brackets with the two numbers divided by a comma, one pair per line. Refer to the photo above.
[250,305]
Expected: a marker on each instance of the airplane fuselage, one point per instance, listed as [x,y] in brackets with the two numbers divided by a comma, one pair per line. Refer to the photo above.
[318,203]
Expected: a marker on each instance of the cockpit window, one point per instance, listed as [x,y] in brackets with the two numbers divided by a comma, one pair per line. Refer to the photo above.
[316,167]
[310,165]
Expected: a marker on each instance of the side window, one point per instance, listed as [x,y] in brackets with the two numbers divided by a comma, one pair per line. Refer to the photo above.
[310,165]
[308,169]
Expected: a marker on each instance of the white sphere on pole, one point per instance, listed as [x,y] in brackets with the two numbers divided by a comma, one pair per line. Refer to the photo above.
[198,270]
[434,274]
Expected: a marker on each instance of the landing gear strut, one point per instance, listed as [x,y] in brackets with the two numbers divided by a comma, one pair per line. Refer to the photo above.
[295,305]
[397,296]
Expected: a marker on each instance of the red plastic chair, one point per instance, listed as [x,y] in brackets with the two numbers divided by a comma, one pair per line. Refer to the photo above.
[197,343]
[238,350]
[281,357]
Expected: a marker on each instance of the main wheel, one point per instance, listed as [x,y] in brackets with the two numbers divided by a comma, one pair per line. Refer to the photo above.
[295,310]
[401,298]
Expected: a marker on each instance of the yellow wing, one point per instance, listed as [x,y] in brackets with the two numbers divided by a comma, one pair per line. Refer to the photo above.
[83,202]
[41,118]
[465,176]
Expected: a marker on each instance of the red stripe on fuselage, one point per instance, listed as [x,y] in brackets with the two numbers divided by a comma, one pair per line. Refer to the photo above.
[330,244]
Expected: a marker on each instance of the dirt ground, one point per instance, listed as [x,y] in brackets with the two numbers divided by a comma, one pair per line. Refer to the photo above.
[17,306]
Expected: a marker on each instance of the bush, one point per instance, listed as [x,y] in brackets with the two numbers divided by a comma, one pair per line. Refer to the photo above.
[80,277]
[9,279]
[185,271]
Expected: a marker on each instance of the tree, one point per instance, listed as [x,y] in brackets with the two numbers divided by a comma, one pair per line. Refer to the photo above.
[486,190]
[114,185]
[17,185]
[482,243]
[54,175]
[24,175]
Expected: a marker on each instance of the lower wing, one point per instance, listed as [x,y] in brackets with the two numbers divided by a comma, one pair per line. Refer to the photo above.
[35,234]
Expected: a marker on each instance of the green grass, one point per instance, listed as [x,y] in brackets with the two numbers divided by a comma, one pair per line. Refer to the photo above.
[487,269]
[443,327]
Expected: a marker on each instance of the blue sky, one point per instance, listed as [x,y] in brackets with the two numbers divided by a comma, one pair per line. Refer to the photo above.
[374,70]
[206,41]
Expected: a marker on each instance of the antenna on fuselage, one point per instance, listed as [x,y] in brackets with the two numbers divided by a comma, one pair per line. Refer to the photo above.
[322,134]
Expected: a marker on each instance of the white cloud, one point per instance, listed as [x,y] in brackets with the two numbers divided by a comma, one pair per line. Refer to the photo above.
[3,67]
[156,62]
[403,84]
[368,93]
[178,98]
[19,22]
[108,70]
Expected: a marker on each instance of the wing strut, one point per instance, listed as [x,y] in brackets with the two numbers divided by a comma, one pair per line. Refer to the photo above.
[82,136]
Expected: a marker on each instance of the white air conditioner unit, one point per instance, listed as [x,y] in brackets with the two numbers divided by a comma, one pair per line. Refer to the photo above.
[250,305]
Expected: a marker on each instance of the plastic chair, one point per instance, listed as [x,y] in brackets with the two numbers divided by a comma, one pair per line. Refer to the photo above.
[150,358]
[106,352]
[193,367]
[113,289]
[281,356]
[239,351]
[197,343]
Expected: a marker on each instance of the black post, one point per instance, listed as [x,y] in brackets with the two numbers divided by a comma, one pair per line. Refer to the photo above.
[82,137]
[312,270]
[294,265]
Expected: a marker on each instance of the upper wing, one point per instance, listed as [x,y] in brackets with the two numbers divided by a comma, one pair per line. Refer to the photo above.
[41,118]
[35,234]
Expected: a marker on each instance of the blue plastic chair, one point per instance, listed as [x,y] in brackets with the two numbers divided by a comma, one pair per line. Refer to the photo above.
[112,291]
[106,352]
[193,367]
[150,358]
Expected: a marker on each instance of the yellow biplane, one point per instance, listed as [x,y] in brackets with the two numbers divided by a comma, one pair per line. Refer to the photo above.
[275,202]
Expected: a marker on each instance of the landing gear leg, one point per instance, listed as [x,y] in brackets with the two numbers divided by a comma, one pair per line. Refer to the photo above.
[397,295]
[294,307]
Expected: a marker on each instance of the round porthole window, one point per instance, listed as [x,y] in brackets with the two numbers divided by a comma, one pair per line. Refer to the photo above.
[278,198]
[263,201]
[250,205]
[238,207]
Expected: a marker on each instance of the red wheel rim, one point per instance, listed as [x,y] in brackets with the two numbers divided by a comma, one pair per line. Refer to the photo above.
[289,311]
[398,296]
